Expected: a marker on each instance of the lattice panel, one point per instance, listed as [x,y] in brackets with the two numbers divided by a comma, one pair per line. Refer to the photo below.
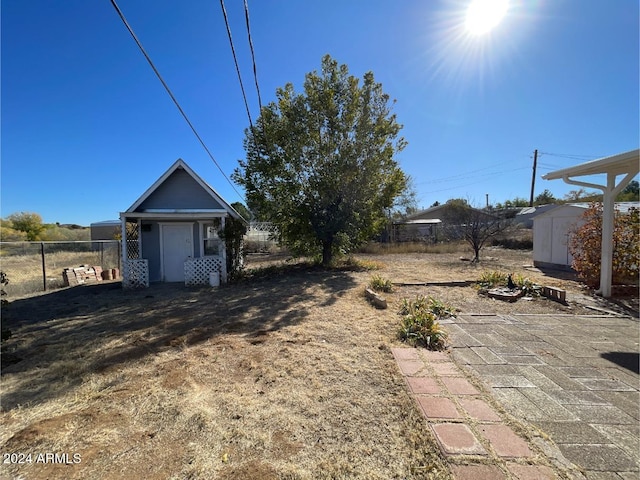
[132,236]
[197,270]
[136,273]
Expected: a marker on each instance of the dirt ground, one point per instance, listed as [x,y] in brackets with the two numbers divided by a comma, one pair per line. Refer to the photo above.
[286,374]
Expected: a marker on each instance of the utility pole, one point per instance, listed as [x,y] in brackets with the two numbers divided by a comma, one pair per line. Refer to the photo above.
[533,177]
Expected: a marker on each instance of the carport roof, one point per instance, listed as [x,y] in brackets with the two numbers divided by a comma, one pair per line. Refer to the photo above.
[616,164]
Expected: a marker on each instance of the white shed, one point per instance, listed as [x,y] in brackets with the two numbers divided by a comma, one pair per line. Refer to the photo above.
[551,231]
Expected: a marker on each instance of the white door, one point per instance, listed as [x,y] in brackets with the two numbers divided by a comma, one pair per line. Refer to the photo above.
[177,246]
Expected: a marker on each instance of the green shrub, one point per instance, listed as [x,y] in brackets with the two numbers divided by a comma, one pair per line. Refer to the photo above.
[492,279]
[527,286]
[419,324]
[380,284]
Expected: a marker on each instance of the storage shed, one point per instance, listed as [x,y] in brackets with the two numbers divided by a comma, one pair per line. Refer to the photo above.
[106,230]
[171,231]
[551,231]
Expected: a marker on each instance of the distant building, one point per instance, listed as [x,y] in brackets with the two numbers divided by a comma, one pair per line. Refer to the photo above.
[426,225]
[106,230]
[526,215]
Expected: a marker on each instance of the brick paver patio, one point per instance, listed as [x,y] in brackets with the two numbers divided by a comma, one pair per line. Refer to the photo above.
[533,396]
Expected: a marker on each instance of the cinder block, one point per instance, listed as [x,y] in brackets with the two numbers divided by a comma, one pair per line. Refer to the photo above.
[556,294]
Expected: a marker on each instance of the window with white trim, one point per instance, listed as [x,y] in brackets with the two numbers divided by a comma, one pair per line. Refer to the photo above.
[211,241]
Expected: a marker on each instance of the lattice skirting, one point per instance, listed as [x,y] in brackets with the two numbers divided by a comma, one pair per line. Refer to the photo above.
[136,273]
[197,270]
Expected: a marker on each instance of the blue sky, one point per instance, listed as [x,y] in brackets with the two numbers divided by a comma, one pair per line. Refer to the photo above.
[87,127]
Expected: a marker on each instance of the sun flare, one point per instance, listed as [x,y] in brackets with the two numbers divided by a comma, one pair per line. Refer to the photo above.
[484,15]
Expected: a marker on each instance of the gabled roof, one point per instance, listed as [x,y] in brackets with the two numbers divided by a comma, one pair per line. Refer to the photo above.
[181,164]
[438,211]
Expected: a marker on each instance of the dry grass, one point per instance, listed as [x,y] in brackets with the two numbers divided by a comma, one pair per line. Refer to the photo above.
[288,376]
[285,375]
[24,267]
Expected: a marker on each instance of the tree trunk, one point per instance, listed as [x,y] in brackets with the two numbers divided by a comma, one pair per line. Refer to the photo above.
[327,252]
[476,251]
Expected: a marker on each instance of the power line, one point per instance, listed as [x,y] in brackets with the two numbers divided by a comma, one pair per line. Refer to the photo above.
[166,87]
[253,56]
[570,156]
[235,60]
[469,174]
[475,183]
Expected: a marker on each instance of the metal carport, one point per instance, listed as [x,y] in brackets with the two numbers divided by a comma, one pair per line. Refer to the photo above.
[627,164]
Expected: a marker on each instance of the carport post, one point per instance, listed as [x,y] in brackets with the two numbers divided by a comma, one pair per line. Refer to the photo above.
[608,213]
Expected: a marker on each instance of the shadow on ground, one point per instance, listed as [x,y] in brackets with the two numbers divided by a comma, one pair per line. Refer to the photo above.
[628,360]
[59,338]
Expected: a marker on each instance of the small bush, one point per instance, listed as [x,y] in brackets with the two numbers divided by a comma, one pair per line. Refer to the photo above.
[492,279]
[495,279]
[3,282]
[419,324]
[585,245]
[380,284]
[527,286]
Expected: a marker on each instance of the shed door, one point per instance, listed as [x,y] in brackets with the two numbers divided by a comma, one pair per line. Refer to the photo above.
[177,246]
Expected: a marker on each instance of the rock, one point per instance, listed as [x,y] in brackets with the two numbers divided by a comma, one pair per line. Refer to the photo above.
[505,294]
[377,300]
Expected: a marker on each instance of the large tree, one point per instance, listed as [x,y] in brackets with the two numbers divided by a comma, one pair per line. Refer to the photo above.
[27,222]
[320,164]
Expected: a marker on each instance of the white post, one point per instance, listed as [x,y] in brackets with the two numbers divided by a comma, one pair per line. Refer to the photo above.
[223,272]
[123,237]
[608,213]
[139,238]
[123,240]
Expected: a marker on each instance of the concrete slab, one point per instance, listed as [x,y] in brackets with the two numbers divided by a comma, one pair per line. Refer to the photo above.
[624,436]
[572,432]
[601,458]
[488,356]
[602,414]
[548,406]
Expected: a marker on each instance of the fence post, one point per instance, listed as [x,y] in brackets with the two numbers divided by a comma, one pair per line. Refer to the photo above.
[44,267]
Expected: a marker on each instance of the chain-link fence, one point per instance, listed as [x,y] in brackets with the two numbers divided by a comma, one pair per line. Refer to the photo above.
[260,237]
[34,267]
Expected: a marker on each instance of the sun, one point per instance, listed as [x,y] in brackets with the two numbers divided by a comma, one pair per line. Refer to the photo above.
[484,15]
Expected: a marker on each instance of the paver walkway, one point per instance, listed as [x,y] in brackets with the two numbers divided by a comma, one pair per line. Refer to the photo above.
[471,432]
[574,378]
